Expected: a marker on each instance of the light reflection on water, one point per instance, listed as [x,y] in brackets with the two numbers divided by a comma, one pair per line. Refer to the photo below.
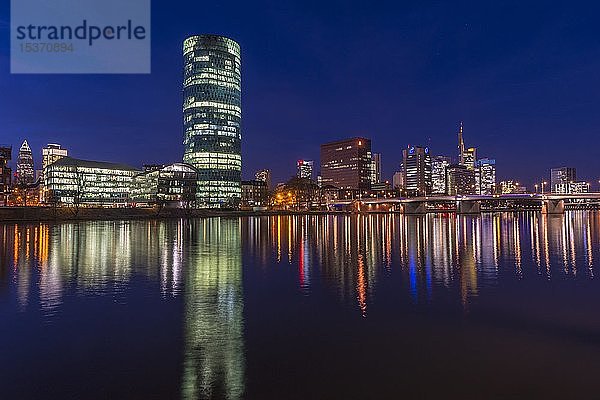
[203,262]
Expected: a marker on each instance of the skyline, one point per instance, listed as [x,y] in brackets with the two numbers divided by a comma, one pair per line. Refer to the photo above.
[518,91]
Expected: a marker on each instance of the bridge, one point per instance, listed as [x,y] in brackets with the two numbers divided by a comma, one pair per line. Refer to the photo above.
[551,203]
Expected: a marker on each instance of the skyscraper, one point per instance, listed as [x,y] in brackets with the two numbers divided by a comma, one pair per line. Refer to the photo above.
[25,171]
[304,169]
[212,117]
[438,174]
[346,164]
[487,174]
[460,180]
[466,157]
[376,168]
[417,170]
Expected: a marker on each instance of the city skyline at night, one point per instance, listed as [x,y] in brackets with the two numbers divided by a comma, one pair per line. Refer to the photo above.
[521,92]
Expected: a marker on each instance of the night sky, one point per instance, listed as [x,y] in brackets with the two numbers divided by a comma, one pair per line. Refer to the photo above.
[524,78]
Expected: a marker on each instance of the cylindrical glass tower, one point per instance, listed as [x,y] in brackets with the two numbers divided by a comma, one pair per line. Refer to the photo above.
[212,114]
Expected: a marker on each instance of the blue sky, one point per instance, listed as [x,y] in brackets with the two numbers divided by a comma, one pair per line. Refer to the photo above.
[523,76]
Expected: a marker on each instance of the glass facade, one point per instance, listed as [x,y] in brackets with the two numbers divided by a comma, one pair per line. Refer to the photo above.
[212,114]
[73,181]
[170,185]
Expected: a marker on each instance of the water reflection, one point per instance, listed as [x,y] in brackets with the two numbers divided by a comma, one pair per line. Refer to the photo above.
[463,253]
[214,343]
[425,259]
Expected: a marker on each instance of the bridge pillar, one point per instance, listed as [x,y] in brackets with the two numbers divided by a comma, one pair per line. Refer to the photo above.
[553,206]
[468,207]
[414,208]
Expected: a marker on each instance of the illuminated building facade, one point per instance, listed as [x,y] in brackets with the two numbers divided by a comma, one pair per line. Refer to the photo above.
[376,168]
[487,175]
[304,169]
[264,175]
[561,177]
[52,153]
[254,194]
[417,170]
[346,164]
[460,180]
[73,181]
[511,187]
[169,185]
[571,188]
[438,174]
[25,171]
[5,173]
[212,114]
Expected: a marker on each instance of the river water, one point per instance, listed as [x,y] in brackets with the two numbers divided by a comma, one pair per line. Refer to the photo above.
[501,305]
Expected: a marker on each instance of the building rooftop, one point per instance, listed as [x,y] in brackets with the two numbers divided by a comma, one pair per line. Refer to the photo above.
[74,162]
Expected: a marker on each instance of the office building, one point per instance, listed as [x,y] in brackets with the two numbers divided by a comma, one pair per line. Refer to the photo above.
[304,169]
[73,181]
[254,194]
[5,173]
[560,178]
[264,175]
[25,173]
[466,157]
[346,164]
[212,117]
[438,174]
[417,170]
[376,168]
[52,153]
[487,176]
[172,185]
[460,180]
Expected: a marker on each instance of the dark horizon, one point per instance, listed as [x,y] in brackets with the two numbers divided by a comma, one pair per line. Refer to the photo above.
[523,78]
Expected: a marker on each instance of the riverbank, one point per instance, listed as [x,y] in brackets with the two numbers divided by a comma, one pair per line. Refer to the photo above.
[44,214]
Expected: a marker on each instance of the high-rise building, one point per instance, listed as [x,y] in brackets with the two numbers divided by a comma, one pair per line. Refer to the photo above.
[561,177]
[460,180]
[470,158]
[346,164]
[304,169]
[25,171]
[264,175]
[52,153]
[212,114]
[466,157]
[487,175]
[438,174]
[5,173]
[376,168]
[417,170]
